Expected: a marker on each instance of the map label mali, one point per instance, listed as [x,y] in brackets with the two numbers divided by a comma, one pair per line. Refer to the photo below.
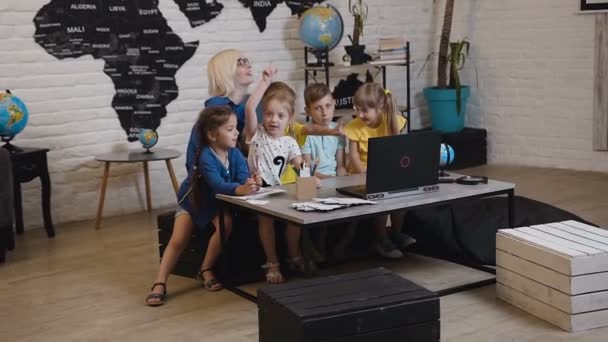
[141,52]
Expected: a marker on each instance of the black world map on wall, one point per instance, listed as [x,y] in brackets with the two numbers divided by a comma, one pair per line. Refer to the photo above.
[261,9]
[141,52]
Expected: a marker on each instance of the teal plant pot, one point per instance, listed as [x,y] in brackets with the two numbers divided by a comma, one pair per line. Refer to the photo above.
[442,105]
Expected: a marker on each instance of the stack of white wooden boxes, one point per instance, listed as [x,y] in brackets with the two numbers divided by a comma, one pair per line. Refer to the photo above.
[556,271]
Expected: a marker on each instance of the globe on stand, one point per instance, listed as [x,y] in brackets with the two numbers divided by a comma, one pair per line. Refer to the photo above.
[148,138]
[446,158]
[13,119]
[321,29]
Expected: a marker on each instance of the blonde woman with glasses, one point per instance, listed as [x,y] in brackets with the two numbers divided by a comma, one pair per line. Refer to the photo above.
[229,73]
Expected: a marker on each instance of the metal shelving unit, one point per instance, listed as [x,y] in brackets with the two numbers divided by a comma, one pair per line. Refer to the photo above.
[311,71]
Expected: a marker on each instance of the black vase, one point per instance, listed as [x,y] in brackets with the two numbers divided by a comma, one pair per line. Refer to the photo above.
[357,54]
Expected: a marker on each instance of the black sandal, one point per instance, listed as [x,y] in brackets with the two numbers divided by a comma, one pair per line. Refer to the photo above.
[213,284]
[159,296]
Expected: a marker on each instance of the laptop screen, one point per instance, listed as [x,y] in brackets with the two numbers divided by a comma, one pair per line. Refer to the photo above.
[403,162]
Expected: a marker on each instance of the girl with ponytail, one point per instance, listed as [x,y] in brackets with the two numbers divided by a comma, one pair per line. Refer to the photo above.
[376,117]
[218,167]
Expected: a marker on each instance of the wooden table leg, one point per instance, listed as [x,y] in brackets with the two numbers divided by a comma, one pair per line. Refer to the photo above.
[102,194]
[147,179]
[45,181]
[172,175]
[511,208]
[18,208]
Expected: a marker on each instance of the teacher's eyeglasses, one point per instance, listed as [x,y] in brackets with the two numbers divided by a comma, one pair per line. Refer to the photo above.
[242,62]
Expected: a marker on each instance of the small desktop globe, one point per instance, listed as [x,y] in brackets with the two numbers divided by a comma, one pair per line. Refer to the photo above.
[321,27]
[13,115]
[148,137]
[446,156]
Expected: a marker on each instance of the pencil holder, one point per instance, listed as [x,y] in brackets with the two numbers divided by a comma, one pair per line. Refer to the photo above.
[306,188]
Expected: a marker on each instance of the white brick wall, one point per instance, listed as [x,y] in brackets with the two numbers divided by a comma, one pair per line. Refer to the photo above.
[75,95]
[533,58]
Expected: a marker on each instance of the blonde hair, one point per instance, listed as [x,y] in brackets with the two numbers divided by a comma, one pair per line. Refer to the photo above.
[373,96]
[221,71]
[282,93]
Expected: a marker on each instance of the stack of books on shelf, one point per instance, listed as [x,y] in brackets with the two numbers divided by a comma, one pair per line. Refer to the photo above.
[391,50]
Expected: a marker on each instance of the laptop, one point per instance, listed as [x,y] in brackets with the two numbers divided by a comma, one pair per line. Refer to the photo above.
[400,165]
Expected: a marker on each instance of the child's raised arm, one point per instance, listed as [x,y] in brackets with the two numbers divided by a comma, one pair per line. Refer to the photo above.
[314,129]
[251,118]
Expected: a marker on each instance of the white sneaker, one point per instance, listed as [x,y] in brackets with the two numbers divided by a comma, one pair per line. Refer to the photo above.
[402,241]
[387,249]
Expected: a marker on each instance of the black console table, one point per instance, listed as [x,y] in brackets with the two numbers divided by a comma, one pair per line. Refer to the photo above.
[29,163]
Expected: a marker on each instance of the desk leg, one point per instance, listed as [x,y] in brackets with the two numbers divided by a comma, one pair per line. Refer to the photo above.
[229,283]
[102,194]
[147,179]
[223,245]
[172,175]
[511,207]
[18,209]
[45,181]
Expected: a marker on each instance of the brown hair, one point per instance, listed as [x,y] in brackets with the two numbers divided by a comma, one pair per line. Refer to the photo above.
[315,92]
[209,119]
[283,93]
[373,96]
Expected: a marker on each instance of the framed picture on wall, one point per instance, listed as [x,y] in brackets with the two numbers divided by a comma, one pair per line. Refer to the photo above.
[594,5]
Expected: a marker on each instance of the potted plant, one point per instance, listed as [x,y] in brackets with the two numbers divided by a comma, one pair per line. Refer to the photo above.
[458,53]
[356,51]
[447,101]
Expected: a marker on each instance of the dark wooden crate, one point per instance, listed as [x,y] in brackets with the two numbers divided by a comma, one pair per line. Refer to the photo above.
[374,305]
[190,260]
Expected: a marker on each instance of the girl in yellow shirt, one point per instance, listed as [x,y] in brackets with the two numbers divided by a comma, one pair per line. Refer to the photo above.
[375,117]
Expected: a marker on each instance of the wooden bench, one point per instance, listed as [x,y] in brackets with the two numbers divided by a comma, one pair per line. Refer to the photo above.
[556,271]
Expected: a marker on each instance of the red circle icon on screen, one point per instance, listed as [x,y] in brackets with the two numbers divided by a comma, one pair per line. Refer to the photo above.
[405,162]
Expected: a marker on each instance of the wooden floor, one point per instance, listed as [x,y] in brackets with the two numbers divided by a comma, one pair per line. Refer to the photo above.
[88,285]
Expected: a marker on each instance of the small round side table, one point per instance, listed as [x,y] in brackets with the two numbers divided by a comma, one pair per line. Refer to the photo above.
[135,157]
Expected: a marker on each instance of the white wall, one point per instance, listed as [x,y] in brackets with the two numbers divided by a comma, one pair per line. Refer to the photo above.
[74,95]
[534,61]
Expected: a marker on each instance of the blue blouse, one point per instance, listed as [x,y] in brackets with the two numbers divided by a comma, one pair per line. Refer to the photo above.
[216,179]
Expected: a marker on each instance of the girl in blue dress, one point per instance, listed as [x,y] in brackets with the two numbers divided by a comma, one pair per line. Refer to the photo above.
[218,167]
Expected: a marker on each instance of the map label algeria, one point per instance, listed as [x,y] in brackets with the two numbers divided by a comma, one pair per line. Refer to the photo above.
[142,54]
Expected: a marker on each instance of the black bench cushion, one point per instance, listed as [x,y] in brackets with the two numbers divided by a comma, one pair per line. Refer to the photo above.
[465,232]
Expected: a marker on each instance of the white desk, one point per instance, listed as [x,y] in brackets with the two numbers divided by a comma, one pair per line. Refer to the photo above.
[279,205]
[279,208]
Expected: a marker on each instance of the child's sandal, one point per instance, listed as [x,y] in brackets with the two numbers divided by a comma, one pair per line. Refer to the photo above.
[273,274]
[212,284]
[158,297]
